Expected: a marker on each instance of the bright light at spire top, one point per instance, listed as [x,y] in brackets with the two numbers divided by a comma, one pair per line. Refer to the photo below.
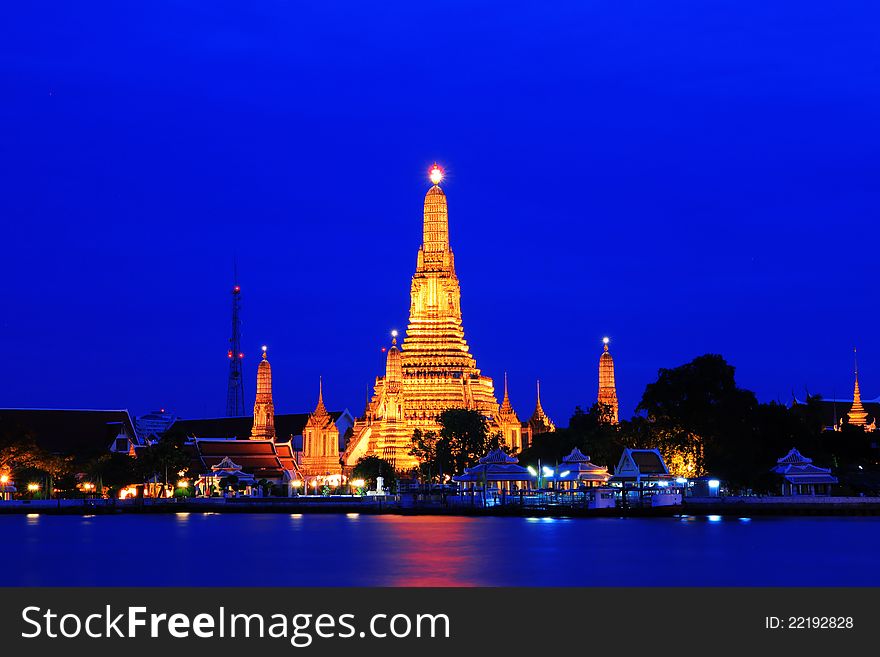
[605,340]
[435,174]
[265,347]
[394,333]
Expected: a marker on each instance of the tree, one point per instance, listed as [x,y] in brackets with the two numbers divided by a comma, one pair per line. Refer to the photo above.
[369,468]
[164,459]
[432,453]
[464,435]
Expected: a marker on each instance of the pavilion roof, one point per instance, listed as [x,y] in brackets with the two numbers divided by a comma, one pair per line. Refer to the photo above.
[495,466]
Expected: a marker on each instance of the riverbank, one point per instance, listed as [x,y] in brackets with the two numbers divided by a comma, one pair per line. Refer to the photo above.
[454,506]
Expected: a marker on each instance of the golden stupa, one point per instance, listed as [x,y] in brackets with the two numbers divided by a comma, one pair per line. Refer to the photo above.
[857,414]
[264,407]
[434,369]
[607,387]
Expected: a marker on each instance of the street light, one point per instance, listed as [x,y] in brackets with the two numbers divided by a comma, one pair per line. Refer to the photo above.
[33,488]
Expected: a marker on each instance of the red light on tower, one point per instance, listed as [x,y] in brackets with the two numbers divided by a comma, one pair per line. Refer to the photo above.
[229,353]
[240,355]
[236,289]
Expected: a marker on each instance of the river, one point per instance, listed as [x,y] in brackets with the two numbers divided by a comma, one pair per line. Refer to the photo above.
[212,549]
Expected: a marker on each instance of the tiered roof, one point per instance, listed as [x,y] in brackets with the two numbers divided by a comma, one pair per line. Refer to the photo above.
[798,469]
[495,466]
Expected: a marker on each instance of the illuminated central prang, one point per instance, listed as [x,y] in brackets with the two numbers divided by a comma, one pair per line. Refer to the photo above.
[433,370]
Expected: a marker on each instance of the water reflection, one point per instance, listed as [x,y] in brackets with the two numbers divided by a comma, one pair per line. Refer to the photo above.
[430,551]
[371,550]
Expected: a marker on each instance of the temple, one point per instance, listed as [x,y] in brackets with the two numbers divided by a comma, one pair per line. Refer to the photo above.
[607,399]
[540,422]
[320,446]
[836,413]
[857,414]
[264,408]
[433,370]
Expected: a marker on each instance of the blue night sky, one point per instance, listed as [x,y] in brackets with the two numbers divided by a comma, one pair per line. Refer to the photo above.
[685,177]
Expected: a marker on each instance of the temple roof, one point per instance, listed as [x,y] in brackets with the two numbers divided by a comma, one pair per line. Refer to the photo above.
[83,433]
[797,468]
[576,456]
[286,425]
[833,410]
[794,457]
[640,462]
[264,459]
[498,456]
[495,466]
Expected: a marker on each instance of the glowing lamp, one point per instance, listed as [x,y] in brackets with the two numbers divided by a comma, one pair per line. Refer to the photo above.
[236,289]
[265,348]
[548,472]
[4,479]
[297,483]
[435,174]
[605,340]
[33,488]
[183,484]
[394,333]
[714,483]
[241,355]
[358,483]
[565,474]
[532,471]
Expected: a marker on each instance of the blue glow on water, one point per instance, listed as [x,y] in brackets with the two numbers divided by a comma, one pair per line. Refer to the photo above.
[335,550]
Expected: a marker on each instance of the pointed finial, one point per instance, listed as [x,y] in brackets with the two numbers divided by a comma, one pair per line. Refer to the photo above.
[394,337]
[856,360]
[539,390]
[435,173]
[605,342]
[505,384]
[265,348]
[320,389]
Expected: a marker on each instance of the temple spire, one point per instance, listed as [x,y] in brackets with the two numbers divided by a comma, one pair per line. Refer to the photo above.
[540,422]
[435,238]
[857,414]
[506,406]
[607,397]
[320,409]
[264,406]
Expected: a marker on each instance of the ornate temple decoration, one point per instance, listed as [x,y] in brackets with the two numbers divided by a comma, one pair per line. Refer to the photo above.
[607,387]
[857,414]
[264,408]
[320,448]
[434,369]
[540,422]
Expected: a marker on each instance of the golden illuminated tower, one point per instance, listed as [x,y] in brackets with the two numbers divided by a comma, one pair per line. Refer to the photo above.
[320,453]
[540,422]
[434,370]
[858,416]
[508,422]
[264,408]
[607,386]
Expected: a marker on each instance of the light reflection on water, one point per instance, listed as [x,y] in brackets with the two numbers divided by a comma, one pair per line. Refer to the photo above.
[389,550]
